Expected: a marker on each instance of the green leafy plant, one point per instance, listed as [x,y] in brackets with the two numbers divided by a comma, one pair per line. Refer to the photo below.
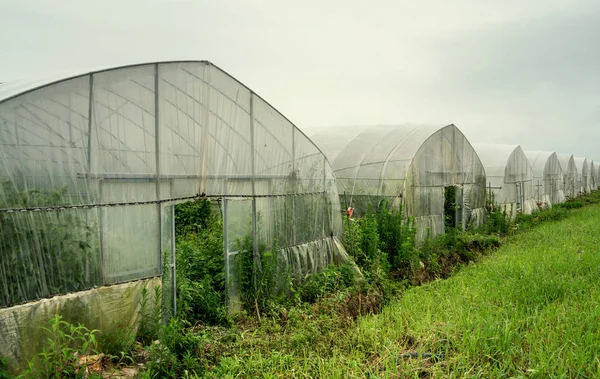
[60,356]
[4,368]
[177,352]
[119,344]
[151,316]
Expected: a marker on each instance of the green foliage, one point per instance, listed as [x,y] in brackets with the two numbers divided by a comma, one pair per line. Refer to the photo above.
[329,280]
[201,288]
[263,282]
[4,368]
[193,216]
[151,316]
[449,207]
[499,220]
[176,353]
[44,253]
[119,344]
[60,357]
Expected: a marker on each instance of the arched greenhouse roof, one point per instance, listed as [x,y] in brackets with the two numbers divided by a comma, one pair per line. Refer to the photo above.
[508,174]
[539,159]
[567,163]
[508,162]
[55,115]
[377,158]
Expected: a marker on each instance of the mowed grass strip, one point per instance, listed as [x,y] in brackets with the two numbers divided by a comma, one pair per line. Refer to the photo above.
[531,309]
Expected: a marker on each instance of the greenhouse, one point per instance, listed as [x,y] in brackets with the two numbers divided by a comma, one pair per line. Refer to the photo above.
[547,177]
[583,175]
[93,164]
[569,169]
[593,176]
[509,177]
[432,171]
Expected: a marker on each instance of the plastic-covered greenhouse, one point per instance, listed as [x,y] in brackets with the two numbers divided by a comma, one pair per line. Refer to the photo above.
[431,170]
[547,177]
[569,170]
[593,176]
[509,176]
[93,164]
[583,174]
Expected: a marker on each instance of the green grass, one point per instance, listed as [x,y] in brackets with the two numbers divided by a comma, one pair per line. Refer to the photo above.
[529,310]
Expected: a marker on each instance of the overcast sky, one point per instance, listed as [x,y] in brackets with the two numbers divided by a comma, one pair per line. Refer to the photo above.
[510,71]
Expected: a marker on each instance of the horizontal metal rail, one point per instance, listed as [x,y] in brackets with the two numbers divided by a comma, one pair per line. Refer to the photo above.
[131,203]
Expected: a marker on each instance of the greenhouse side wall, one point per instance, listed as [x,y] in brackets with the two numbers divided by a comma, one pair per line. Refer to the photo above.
[94,165]
[119,304]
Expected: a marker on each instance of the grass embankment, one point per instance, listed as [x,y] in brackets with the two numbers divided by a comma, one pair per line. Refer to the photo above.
[529,310]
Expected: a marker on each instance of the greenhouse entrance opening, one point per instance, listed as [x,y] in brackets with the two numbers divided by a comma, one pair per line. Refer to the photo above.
[453,202]
[200,262]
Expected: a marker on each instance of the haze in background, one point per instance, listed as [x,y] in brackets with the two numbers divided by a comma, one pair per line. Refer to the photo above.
[504,72]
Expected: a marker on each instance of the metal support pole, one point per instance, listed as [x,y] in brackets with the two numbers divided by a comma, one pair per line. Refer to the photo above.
[294,187]
[226,251]
[89,163]
[324,194]
[255,253]
[173,262]
[157,162]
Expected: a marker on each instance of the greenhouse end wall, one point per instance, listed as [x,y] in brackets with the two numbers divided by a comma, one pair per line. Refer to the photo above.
[509,177]
[408,165]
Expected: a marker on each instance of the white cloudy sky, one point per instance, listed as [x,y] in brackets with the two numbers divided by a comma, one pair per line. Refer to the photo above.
[509,71]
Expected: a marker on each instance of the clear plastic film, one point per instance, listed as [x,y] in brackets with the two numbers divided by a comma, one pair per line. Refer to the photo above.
[509,177]
[411,165]
[141,139]
[547,177]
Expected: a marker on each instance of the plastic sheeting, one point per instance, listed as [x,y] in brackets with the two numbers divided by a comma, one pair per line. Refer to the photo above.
[569,169]
[509,176]
[583,175]
[407,164]
[547,177]
[593,176]
[148,134]
[21,337]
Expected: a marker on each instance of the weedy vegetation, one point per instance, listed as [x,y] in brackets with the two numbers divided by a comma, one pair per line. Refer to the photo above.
[444,307]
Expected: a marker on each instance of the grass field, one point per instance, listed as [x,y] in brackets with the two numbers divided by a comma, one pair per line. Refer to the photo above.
[531,309]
